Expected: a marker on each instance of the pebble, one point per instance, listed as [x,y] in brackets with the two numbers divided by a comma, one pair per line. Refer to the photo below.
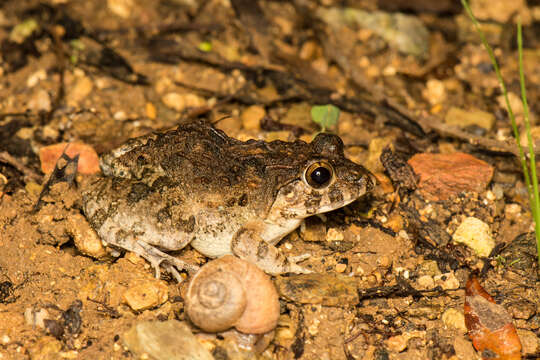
[121,8]
[429,267]
[522,309]
[251,117]
[501,11]
[36,77]
[425,282]
[535,136]
[454,318]
[164,340]
[299,115]
[447,281]
[397,343]
[40,101]
[283,135]
[498,191]
[309,50]
[150,110]
[83,87]
[464,118]
[146,294]
[515,103]
[45,348]
[120,115]
[464,349]
[375,149]
[530,342]
[435,92]
[85,238]
[231,125]
[341,268]
[36,318]
[324,289]
[334,234]
[476,234]
[313,229]
[180,102]
[443,176]
[406,33]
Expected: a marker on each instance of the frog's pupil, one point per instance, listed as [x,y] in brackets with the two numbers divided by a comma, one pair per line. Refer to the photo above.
[320,175]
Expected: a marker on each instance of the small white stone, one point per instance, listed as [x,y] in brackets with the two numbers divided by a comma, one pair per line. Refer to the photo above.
[455,319]
[121,8]
[334,234]
[490,195]
[435,92]
[447,281]
[425,282]
[120,115]
[36,77]
[476,234]
[403,234]
[180,102]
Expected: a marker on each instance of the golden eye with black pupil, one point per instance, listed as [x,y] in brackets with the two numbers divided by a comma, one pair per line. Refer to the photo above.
[319,174]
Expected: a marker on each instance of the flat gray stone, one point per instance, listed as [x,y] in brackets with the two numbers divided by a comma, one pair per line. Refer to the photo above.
[165,340]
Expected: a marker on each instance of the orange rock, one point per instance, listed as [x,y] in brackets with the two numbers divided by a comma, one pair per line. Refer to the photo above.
[88,158]
[443,176]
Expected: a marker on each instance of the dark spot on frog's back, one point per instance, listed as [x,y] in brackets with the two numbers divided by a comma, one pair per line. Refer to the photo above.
[138,192]
[162,182]
[187,226]
[163,215]
[243,200]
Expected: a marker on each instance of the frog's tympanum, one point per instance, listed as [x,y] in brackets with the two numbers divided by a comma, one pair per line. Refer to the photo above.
[195,185]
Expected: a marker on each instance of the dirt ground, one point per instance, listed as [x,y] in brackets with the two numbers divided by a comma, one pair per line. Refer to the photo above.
[389,278]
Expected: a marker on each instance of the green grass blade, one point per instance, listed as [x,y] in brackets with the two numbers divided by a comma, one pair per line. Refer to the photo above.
[535,204]
[532,186]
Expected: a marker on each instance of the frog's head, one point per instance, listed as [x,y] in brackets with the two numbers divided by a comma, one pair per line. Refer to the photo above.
[325,180]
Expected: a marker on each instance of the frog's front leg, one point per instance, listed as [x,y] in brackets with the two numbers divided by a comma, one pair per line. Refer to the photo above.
[158,258]
[248,245]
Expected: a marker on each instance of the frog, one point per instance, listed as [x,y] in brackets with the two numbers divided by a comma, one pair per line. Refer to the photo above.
[195,185]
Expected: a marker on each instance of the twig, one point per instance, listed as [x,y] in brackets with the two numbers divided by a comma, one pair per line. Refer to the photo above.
[10,160]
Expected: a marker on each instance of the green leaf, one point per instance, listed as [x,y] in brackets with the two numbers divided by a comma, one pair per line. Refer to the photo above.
[205,46]
[325,115]
[23,30]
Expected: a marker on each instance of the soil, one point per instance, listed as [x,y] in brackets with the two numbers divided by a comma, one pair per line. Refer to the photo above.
[390,280]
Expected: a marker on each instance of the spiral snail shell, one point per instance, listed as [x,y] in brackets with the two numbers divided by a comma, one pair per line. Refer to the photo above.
[230,292]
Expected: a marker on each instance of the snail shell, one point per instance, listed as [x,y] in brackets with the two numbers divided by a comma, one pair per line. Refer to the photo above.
[230,292]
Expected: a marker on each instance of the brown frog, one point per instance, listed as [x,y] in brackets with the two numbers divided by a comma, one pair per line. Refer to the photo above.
[195,185]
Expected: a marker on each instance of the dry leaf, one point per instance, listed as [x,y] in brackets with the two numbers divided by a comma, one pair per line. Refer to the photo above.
[88,158]
[490,325]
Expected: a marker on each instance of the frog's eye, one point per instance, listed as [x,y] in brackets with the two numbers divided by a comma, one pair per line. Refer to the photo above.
[319,174]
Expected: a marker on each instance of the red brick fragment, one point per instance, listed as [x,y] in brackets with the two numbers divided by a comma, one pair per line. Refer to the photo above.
[443,176]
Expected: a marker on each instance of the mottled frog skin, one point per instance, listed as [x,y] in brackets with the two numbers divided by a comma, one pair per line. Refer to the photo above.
[195,185]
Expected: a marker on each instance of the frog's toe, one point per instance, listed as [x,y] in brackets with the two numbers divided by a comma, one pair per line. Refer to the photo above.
[293,267]
[158,258]
[297,269]
[298,258]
